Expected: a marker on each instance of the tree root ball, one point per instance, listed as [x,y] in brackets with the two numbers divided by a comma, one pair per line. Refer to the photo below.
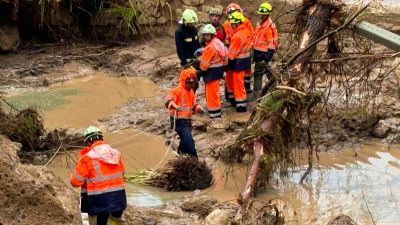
[184,173]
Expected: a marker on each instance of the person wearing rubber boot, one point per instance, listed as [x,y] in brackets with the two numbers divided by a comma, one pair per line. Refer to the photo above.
[231,8]
[212,62]
[265,45]
[181,104]
[239,61]
[100,174]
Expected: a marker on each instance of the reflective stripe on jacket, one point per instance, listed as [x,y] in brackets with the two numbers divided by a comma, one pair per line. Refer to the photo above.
[214,55]
[265,36]
[99,173]
[229,30]
[187,42]
[239,50]
[185,99]
[213,59]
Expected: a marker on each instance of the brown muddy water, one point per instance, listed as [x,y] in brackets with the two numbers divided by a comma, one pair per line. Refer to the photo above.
[365,187]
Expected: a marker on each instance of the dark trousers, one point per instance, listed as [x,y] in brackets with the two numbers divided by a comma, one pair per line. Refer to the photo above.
[102,218]
[261,68]
[184,129]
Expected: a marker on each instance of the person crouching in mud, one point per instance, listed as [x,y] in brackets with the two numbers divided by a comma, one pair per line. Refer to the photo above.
[181,103]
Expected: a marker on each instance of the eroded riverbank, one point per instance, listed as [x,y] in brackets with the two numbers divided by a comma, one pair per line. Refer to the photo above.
[347,181]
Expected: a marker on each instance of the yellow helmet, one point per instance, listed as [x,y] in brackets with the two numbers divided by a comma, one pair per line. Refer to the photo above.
[265,9]
[236,17]
[189,16]
[208,29]
[92,131]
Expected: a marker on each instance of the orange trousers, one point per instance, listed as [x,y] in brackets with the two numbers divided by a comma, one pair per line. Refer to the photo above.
[235,84]
[213,98]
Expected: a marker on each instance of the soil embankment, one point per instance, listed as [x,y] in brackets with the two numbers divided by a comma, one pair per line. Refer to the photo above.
[31,194]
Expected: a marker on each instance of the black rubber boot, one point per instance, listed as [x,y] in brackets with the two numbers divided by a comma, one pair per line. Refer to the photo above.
[241,109]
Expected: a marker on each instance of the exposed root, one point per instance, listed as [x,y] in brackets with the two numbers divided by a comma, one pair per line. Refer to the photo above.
[26,127]
[184,173]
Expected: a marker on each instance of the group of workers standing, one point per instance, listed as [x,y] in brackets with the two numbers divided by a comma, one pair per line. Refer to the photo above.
[220,49]
[226,48]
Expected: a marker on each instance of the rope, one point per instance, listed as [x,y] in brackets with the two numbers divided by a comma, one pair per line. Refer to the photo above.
[140,132]
[169,148]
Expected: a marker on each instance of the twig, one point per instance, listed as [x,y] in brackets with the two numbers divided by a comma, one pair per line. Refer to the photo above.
[291,89]
[52,156]
[5,101]
[366,204]
[344,25]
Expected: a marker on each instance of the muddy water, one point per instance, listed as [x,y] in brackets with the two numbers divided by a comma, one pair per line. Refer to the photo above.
[340,183]
[81,102]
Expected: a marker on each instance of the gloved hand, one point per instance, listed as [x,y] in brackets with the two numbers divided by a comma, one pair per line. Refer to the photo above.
[268,55]
[202,111]
[175,106]
[198,52]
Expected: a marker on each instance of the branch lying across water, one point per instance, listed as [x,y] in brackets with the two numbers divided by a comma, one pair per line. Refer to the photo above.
[360,57]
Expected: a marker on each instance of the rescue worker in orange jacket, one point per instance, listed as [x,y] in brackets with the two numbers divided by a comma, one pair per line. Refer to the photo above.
[181,103]
[212,62]
[264,44]
[234,7]
[99,172]
[239,60]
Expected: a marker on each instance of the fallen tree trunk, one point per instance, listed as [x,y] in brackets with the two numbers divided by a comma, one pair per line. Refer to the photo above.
[275,124]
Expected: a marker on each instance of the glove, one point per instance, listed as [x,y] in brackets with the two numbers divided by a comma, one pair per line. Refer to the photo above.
[269,55]
[198,52]
[175,106]
[202,111]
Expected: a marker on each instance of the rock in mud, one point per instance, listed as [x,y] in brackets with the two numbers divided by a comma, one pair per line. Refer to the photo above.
[32,194]
[386,126]
[218,217]
[342,220]
[201,205]
[392,139]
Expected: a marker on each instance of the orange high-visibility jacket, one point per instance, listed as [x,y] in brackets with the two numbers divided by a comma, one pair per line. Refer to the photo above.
[184,98]
[99,173]
[239,50]
[265,36]
[213,60]
[229,30]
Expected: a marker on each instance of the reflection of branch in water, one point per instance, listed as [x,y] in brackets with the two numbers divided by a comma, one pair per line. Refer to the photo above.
[366,204]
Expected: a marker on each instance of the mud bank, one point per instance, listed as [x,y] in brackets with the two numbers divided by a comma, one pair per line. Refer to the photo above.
[31,194]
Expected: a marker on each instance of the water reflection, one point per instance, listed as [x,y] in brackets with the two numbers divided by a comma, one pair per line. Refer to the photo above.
[363,190]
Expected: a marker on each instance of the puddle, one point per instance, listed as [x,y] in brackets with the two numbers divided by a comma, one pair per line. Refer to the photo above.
[339,183]
[81,102]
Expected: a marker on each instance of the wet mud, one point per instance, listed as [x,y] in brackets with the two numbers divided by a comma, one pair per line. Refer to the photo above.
[77,92]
